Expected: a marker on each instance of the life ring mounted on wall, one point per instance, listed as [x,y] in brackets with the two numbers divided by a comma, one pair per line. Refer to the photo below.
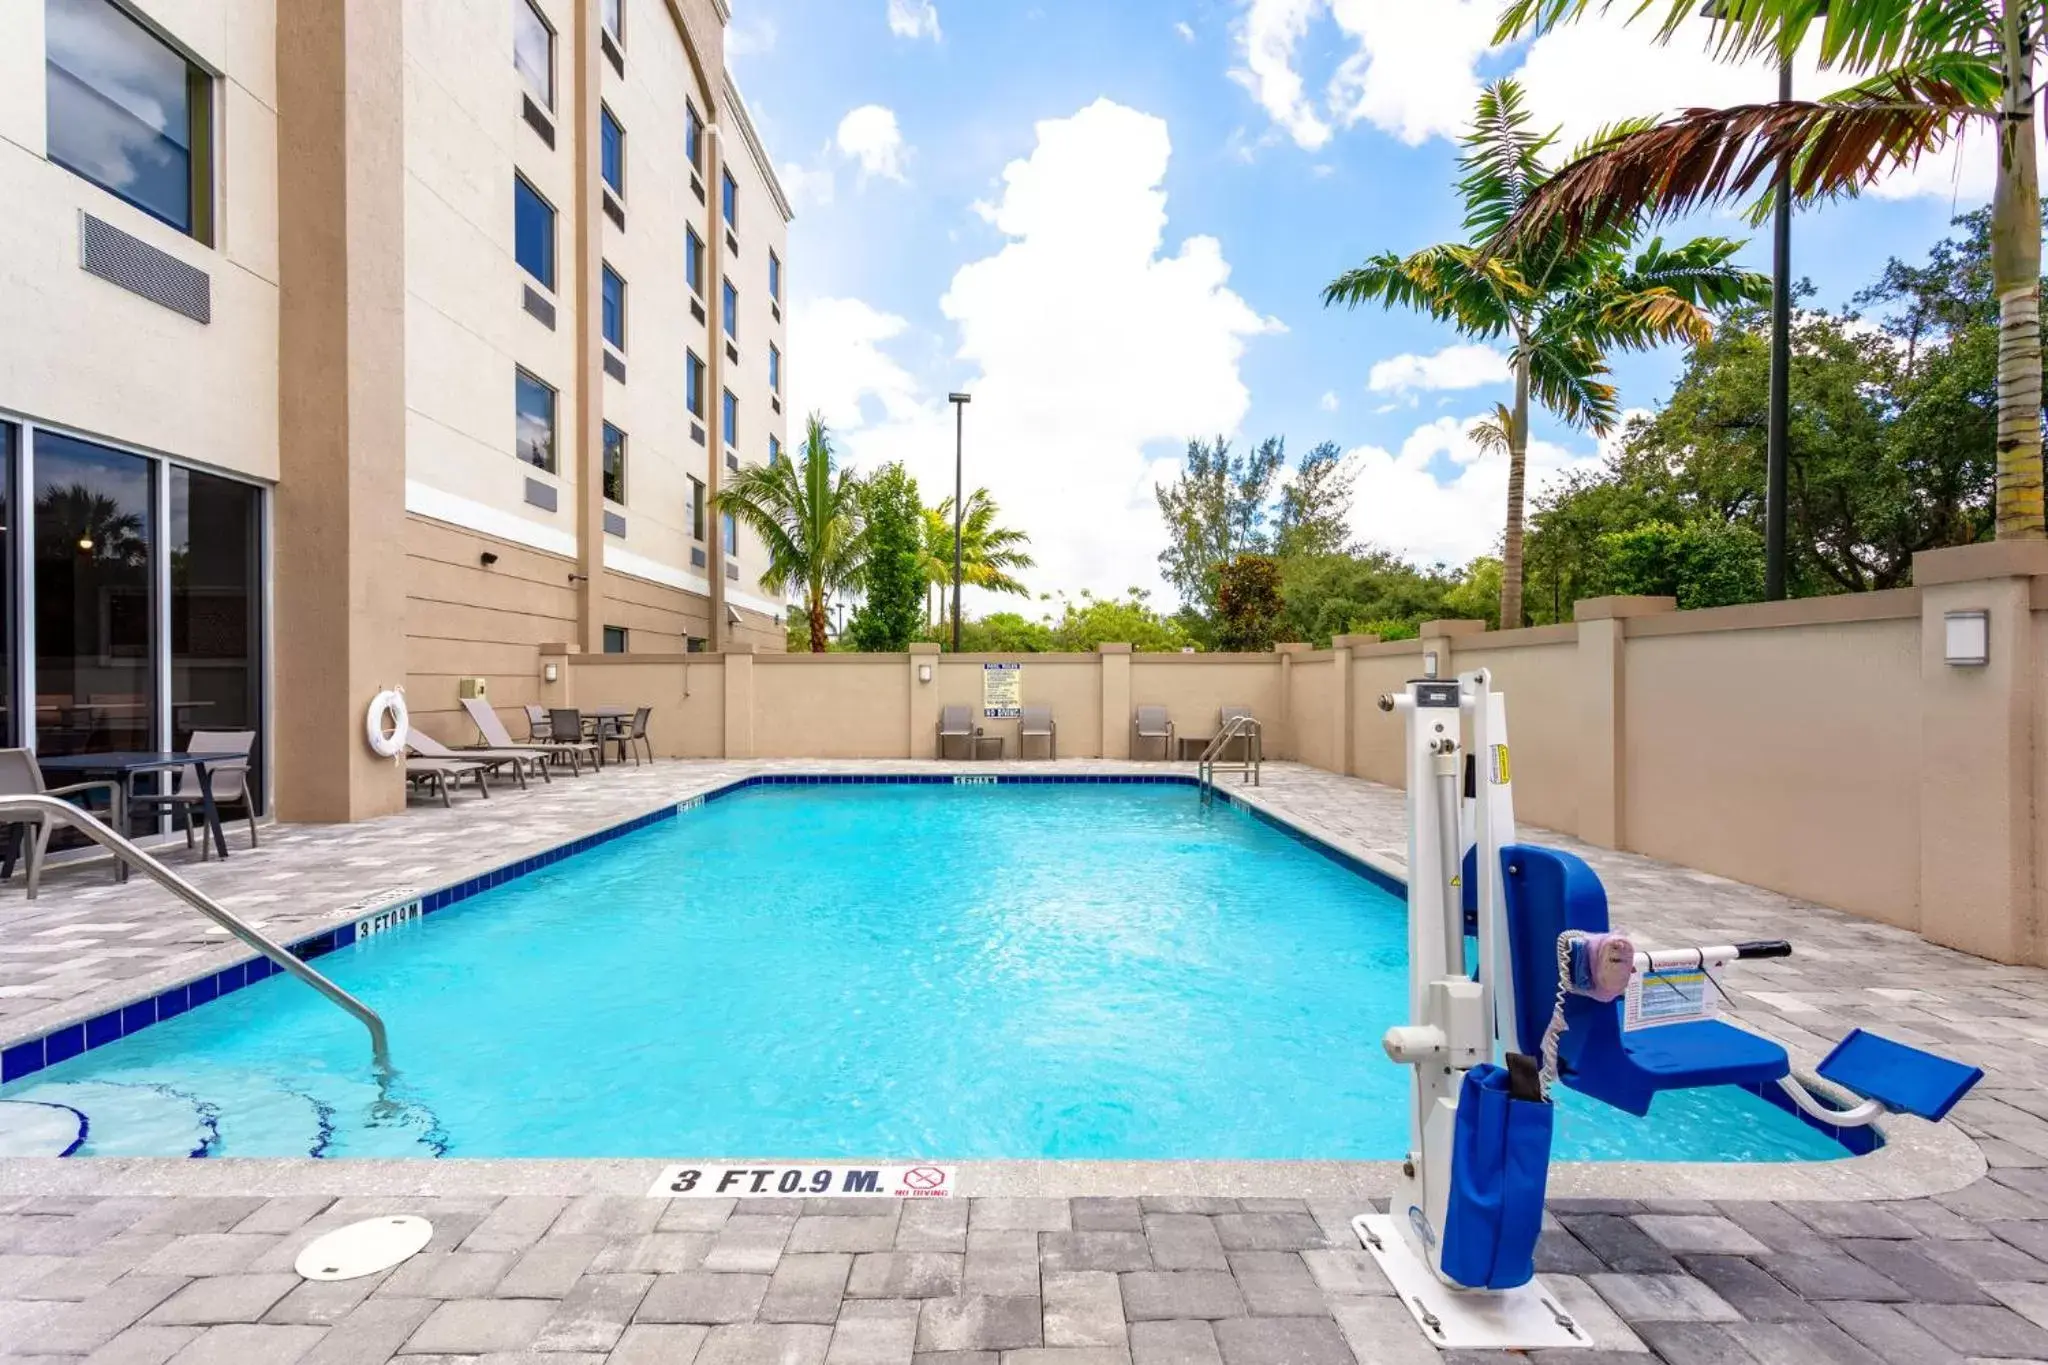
[388,724]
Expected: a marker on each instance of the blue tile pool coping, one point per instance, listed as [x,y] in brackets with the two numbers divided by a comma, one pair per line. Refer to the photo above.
[68,1041]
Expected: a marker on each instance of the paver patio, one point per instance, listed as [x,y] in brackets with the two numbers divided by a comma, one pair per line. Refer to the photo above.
[151,1261]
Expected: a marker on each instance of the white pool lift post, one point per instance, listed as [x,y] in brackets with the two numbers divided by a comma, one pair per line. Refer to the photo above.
[1460,806]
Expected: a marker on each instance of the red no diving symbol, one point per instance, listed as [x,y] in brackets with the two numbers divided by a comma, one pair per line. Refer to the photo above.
[924,1177]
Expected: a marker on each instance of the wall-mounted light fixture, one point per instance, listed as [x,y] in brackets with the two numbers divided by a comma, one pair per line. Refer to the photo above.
[1966,638]
[550,672]
[1429,664]
[488,558]
[924,673]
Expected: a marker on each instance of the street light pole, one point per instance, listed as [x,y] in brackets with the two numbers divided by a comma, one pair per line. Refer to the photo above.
[1781,366]
[959,402]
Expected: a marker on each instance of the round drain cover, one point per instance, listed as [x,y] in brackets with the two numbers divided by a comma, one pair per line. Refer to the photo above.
[363,1248]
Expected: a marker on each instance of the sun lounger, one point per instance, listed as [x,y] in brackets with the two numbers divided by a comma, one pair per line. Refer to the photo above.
[496,738]
[439,775]
[518,760]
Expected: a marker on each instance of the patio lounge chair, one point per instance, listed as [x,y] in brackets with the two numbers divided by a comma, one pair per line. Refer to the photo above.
[630,736]
[1036,726]
[1241,749]
[538,727]
[438,775]
[181,795]
[1150,729]
[956,732]
[497,739]
[20,775]
[566,725]
[424,745]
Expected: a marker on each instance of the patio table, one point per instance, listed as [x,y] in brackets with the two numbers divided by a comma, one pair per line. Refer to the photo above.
[126,764]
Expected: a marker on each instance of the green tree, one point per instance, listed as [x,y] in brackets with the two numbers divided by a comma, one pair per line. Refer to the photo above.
[1315,505]
[807,513]
[1702,566]
[1476,594]
[990,553]
[1005,632]
[892,577]
[1215,511]
[1928,70]
[1561,301]
[1248,603]
[1129,620]
[1324,596]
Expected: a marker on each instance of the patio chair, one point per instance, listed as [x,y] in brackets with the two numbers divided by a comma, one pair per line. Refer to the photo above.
[1151,728]
[630,736]
[21,775]
[539,728]
[424,745]
[1036,725]
[439,775]
[496,738]
[566,725]
[181,795]
[1241,749]
[956,732]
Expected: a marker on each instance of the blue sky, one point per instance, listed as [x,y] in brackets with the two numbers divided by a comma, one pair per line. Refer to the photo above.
[1112,221]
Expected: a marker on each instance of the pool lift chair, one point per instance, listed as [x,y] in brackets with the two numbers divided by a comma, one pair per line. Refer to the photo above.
[1459,1243]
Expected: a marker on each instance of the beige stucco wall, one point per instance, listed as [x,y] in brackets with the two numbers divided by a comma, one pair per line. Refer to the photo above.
[1312,692]
[834,706]
[1375,736]
[1540,679]
[1193,686]
[686,692]
[80,352]
[1071,684]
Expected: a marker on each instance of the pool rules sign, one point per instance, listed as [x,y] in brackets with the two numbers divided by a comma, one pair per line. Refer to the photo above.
[766,1180]
[1002,691]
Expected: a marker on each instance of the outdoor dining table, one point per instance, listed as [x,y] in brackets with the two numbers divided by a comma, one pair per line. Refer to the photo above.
[126,764]
[605,720]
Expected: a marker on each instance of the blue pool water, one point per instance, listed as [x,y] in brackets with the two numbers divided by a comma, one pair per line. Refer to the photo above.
[1006,971]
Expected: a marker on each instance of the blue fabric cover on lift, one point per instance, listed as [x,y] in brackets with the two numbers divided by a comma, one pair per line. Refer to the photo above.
[1500,1162]
[1550,891]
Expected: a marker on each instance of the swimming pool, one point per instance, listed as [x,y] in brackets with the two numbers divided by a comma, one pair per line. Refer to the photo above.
[967,972]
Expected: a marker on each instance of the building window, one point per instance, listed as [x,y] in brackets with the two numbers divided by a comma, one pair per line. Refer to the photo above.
[730,417]
[614,464]
[696,509]
[693,261]
[774,450]
[533,232]
[614,19]
[693,135]
[615,639]
[695,644]
[533,51]
[732,202]
[611,139]
[10,722]
[215,547]
[129,113]
[729,311]
[730,529]
[774,368]
[534,441]
[614,310]
[693,385]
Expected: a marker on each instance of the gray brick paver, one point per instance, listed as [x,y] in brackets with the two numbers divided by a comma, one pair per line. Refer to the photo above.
[1282,1341]
[593,1315]
[807,1287]
[1083,1308]
[704,1296]
[476,1326]
[1182,1342]
[979,1322]
[144,1345]
[906,1275]
[249,1344]
[765,1344]
[222,1299]
[645,1343]
[1152,1294]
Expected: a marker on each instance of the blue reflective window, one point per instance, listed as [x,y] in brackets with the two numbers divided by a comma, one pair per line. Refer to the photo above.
[614,464]
[729,312]
[774,368]
[732,202]
[533,51]
[774,450]
[730,416]
[732,534]
[534,440]
[693,262]
[126,112]
[693,387]
[533,232]
[693,134]
[611,157]
[614,309]
[775,277]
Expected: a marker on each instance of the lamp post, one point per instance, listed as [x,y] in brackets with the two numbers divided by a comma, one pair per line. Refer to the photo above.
[959,402]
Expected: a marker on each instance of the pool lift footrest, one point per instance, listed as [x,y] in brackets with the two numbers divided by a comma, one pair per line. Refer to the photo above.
[1528,1318]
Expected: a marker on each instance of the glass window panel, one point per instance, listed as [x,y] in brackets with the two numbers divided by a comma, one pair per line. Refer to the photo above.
[611,151]
[10,728]
[693,261]
[216,551]
[732,201]
[533,51]
[693,387]
[774,450]
[533,232]
[615,639]
[125,111]
[696,509]
[614,309]
[774,367]
[94,620]
[534,441]
[731,531]
[615,20]
[614,463]
[729,311]
[693,134]
[774,277]
[731,416]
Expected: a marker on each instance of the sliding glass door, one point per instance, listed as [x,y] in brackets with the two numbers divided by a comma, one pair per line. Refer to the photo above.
[216,601]
[10,713]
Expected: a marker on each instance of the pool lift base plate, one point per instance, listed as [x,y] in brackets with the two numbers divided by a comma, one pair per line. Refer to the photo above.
[1526,1319]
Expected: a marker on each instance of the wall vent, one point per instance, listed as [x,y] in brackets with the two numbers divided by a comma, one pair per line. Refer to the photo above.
[541,495]
[537,119]
[697,188]
[615,367]
[732,353]
[732,570]
[611,50]
[539,307]
[697,433]
[614,211]
[614,525]
[697,556]
[115,256]
[732,462]
[696,310]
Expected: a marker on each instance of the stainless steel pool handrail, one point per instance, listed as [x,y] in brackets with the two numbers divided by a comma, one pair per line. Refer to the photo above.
[12,808]
[1244,727]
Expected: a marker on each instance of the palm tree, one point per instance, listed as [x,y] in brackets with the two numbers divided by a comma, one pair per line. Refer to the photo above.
[988,552]
[1561,305]
[807,512]
[1928,69]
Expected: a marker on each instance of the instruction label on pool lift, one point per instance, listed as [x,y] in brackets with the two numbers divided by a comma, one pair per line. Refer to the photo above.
[710,1180]
[1677,995]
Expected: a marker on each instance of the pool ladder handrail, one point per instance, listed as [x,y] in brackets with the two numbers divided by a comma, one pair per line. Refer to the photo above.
[124,850]
[1252,733]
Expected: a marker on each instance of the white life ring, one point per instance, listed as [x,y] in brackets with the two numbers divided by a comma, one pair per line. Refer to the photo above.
[388,705]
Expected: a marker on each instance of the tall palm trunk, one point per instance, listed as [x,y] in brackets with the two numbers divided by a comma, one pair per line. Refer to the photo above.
[817,614]
[1518,464]
[2016,278]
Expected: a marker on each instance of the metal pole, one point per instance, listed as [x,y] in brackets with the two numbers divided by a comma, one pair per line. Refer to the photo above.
[1781,368]
[959,434]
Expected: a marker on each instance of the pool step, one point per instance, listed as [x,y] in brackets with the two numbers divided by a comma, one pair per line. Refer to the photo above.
[39,1128]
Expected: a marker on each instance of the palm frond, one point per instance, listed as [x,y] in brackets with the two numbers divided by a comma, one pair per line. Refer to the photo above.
[1494,433]
[1855,35]
[1451,283]
[1502,161]
[1565,375]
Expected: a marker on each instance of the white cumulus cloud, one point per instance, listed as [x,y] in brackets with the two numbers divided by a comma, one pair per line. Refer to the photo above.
[871,137]
[1454,367]
[1185,30]
[1268,34]
[806,188]
[1330,402]
[914,19]
[1092,349]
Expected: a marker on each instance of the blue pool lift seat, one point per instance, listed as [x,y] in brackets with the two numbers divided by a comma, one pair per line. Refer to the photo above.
[1550,891]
